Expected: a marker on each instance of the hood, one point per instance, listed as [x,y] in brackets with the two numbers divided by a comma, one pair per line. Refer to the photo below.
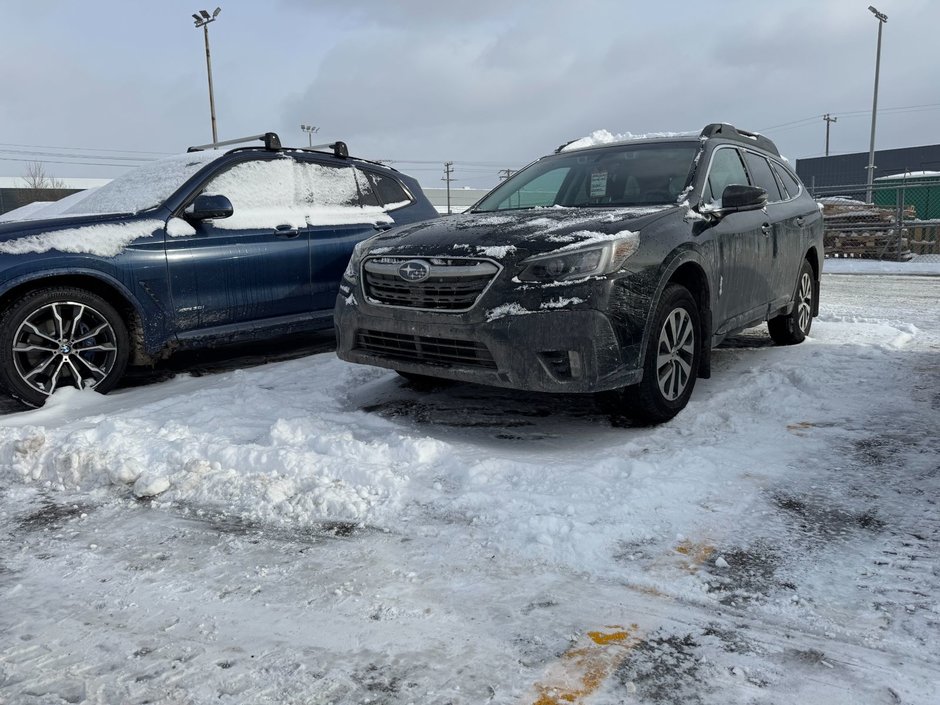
[15,229]
[512,235]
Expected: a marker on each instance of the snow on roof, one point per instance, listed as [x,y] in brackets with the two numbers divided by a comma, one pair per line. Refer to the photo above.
[911,175]
[599,137]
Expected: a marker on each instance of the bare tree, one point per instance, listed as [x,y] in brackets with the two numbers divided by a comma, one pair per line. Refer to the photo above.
[37,178]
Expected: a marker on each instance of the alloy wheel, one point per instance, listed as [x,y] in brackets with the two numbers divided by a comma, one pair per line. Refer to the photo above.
[675,353]
[805,302]
[64,343]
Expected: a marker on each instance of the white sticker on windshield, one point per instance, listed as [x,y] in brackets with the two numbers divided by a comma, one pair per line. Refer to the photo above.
[598,184]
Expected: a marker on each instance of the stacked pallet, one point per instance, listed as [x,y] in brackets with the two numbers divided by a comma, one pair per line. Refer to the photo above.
[861,230]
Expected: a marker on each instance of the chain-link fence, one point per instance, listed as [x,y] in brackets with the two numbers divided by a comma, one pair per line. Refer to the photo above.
[900,221]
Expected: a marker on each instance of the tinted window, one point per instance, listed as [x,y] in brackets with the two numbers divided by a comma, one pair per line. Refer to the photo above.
[390,192]
[367,194]
[726,169]
[762,176]
[787,179]
[623,175]
[540,191]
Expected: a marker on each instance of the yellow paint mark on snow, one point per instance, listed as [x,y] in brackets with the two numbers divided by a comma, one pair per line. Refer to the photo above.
[698,553]
[583,668]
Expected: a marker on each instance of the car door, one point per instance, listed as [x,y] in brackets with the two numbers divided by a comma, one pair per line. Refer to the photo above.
[792,245]
[252,266]
[735,237]
[341,210]
[769,249]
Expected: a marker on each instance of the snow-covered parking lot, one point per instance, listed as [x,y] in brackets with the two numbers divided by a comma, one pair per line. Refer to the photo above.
[309,531]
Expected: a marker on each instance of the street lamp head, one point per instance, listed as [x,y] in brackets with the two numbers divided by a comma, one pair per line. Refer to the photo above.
[216,13]
[880,15]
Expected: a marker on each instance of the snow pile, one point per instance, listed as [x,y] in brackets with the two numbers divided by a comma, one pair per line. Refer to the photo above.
[600,137]
[104,240]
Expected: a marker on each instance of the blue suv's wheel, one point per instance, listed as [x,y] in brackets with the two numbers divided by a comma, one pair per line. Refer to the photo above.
[64,336]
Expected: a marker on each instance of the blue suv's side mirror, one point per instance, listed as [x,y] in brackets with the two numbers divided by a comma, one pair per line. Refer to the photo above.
[206,207]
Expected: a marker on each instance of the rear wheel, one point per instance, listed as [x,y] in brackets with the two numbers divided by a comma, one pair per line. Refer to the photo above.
[65,336]
[672,359]
[792,328]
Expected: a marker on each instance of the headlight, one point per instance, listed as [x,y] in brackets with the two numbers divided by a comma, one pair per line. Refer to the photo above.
[587,260]
[352,269]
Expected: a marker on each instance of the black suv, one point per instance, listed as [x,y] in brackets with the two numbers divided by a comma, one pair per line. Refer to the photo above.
[597,268]
[205,247]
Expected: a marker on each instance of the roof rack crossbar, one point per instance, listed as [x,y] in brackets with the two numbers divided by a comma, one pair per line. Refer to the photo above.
[339,149]
[270,139]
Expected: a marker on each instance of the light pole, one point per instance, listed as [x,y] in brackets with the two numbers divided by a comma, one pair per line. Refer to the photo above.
[882,18]
[202,20]
[311,130]
[829,121]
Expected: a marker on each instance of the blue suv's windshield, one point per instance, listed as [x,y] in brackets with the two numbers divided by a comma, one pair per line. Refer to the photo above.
[145,187]
[624,175]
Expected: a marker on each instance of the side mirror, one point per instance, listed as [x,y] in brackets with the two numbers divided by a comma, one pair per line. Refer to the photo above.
[207,207]
[736,197]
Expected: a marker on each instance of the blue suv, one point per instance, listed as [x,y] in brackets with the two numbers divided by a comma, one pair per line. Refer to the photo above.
[206,247]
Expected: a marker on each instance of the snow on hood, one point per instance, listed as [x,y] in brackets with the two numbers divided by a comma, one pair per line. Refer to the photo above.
[599,137]
[515,236]
[103,239]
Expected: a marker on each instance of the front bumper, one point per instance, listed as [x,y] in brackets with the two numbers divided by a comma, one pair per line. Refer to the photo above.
[545,351]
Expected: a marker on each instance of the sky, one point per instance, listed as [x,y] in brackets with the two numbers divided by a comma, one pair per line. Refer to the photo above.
[99,87]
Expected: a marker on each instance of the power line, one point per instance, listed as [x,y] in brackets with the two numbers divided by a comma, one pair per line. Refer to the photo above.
[86,149]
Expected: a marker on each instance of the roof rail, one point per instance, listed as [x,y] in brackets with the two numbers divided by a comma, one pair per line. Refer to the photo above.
[723,129]
[271,142]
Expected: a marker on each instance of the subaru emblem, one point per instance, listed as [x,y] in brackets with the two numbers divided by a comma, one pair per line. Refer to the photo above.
[414,271]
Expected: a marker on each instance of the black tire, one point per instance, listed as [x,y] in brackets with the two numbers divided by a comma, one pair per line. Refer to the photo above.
[671,362]
[792,328]
[61,336]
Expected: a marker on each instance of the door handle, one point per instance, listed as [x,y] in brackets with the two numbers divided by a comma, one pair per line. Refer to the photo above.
[383,226]
[766,228]
[286,231]
[799,220]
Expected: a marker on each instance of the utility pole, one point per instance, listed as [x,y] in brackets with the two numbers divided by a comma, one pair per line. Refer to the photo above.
[202,20]
[828,121]
[310,130]
[448,171]
[882,18]
[504,174]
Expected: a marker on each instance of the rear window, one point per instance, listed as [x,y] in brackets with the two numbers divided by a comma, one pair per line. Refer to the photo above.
[787,179]
[389,191]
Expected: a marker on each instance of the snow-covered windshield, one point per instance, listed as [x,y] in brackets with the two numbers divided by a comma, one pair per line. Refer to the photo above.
[626,175]
[145,187]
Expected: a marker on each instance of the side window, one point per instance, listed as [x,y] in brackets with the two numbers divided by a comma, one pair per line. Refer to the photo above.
[762,176]
[323,186]
[787,179]
[367,194]
[726,169]
[261,192]
[391,193]
[541,191]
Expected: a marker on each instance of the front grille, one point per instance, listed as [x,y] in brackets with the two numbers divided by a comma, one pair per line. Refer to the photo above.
[452,285]
[425,349]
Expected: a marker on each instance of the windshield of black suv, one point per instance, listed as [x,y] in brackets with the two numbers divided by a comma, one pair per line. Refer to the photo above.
[648,174]
[145,187]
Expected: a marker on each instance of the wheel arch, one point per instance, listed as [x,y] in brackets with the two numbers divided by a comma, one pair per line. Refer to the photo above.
[111,291]
[687,271]
[815,261]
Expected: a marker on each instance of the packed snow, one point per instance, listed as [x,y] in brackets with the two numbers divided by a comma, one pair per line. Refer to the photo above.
[600,137]
[311,531]
[104,239]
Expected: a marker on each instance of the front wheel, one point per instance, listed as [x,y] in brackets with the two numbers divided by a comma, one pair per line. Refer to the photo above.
[792,328]
[64,336]
[671,363]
